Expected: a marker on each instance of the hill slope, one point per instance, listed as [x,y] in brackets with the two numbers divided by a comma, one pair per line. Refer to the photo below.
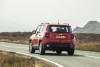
[90,27]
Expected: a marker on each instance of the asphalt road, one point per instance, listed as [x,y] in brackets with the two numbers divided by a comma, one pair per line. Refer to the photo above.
[80,59]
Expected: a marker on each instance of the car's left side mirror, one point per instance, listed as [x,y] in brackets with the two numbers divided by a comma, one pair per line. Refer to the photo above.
[33,31]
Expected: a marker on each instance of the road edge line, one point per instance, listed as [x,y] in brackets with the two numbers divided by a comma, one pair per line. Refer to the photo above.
[92,56]
[35,57]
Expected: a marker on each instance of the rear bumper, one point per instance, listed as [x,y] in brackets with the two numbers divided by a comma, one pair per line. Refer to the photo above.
[58,46]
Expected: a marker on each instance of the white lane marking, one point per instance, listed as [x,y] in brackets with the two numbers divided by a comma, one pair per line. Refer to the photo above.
[36,57]
[15,46]
[42,59]
[92,56]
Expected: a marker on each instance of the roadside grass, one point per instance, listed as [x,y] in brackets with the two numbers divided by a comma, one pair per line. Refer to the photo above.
[15,37]
[88,42]
[12,60]
[25,42]
[15,60]
[88,46]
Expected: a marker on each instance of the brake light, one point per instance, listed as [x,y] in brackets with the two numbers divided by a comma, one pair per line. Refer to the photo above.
[72,36]
[47,35]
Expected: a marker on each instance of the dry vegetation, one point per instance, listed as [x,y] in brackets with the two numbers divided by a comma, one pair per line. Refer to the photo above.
[9,59]
[89,42]
[15,37]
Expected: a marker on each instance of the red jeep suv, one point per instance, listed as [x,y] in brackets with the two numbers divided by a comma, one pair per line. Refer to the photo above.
[55,37]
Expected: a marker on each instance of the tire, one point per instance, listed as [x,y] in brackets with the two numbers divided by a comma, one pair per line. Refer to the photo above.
[31,50]
[58,52]
[41,49]
[71,52]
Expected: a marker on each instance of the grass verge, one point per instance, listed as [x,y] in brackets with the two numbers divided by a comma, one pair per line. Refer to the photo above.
[10,59]
[88,46]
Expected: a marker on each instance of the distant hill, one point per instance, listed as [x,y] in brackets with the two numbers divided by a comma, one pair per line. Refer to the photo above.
[90,27]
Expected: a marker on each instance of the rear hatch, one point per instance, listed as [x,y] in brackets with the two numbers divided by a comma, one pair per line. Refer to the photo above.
[60,33]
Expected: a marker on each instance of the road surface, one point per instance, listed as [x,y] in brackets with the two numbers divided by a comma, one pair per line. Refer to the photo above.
[80,59]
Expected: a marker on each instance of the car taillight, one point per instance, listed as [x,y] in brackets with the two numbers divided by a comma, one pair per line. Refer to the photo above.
[47,35]
[71,36]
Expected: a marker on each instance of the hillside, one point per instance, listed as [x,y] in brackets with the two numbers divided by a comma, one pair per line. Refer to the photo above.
[87,37]
[90,27]
[88,42]
[15,37]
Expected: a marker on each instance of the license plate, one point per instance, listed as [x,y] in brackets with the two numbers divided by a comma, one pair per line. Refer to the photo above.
[60,36]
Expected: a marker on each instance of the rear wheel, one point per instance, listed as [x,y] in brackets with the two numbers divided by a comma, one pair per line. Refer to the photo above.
[71,52]
[41,49]
[58,52]
[31,50]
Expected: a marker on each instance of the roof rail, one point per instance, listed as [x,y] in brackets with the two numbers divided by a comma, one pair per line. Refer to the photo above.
[45,23]
[66,23]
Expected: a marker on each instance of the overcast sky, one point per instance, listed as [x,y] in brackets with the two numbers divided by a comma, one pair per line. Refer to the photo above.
[25,15]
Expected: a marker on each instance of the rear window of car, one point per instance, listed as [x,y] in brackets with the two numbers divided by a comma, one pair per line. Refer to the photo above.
[60,29]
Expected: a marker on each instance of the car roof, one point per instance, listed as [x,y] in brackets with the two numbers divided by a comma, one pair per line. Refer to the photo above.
[65,24]
[58,24]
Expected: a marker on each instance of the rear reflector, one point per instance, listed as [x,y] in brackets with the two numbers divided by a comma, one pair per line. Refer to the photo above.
[47,35]
[47,45]
[71,36]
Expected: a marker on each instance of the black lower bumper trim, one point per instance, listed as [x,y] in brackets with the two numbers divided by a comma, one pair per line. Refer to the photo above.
[57,46]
